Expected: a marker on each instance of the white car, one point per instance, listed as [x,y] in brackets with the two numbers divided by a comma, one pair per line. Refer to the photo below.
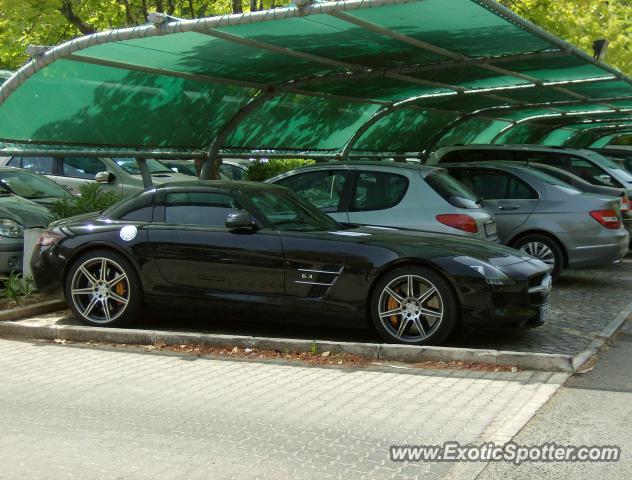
[120,175]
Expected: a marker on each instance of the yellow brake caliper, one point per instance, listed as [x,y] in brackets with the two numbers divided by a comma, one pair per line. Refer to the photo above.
[120,288]
[391,304]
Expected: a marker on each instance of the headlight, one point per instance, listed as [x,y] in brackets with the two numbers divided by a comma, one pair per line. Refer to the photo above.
[492,275]
[11,229]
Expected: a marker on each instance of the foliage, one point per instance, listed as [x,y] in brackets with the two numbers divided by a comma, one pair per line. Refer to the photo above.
[580,22]
[260,171]
[92,199]
[16,287]
[50,22]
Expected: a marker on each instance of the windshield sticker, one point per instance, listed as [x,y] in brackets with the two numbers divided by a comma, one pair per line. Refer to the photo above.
[351,234]
[128,233]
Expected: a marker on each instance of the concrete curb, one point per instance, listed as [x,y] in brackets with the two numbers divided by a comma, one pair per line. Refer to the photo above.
[399,353]
[601,338]
[31,310]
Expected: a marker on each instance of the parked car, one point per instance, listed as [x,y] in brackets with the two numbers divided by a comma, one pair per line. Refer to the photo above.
[586,164]
[587,187]
[546,217]
[120,175]
[31,186]
[395,195]
[261,249]
[228,170]
[622,156]
[17,214]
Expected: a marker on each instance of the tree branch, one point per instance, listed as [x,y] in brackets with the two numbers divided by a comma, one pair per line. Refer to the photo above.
[67,11]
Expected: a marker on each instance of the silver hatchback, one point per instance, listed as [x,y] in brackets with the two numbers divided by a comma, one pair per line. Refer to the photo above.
[546,217]
[394,195]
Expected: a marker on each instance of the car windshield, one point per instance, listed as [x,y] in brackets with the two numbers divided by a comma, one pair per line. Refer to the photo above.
[184,167]
[554,181]
[622,174]
[30,186]
[130,165]
[452,190]
[287,212]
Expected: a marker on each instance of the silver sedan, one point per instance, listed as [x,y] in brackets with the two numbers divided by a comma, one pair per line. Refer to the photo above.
[546,217]
[395,195]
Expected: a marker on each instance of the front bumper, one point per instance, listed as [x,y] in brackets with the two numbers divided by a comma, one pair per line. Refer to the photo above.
[46,270]
[523,304]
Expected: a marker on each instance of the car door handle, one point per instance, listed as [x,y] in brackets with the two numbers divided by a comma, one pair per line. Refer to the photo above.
[509,206]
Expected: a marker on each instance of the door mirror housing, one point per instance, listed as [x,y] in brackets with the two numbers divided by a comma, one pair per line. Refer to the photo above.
[241,221]
[104,177]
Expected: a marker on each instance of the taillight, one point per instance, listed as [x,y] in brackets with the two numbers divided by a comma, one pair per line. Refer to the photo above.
[47,239]
[459,221]
[608,218]
[625,203]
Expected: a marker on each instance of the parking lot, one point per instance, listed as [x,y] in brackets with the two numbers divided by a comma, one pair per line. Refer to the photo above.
[583,303]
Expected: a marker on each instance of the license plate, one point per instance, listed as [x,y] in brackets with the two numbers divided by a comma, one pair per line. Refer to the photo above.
[545,312]
[490,229]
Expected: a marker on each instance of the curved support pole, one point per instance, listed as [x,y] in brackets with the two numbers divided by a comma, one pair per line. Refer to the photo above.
[436,138]
[606,130]
[616,135]
[210,165]
[376,117]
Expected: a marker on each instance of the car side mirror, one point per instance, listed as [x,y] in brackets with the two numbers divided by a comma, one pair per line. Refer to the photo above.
[241,221]
[104,177]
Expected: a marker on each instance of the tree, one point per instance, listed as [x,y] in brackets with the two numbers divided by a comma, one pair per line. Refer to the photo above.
[50,22]
[580,22]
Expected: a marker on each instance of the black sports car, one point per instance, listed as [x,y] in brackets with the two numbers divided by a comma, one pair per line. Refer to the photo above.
[260,248]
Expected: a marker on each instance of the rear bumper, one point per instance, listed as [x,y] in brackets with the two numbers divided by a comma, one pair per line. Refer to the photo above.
[11,257]
[613,249]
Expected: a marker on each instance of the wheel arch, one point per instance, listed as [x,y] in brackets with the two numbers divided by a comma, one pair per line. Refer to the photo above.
[417,262]
[93,246]
[544,233]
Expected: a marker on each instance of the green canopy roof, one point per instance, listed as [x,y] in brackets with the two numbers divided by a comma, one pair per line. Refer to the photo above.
[328,78]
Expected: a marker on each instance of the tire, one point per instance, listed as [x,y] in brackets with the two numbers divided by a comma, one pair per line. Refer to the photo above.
[543,248]
[111,299]
[408,324]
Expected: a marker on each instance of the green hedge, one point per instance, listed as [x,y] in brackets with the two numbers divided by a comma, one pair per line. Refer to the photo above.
[92,199]
[260,171]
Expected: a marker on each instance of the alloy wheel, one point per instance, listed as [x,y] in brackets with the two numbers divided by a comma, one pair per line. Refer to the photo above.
[100,290]
[410,308]
[540,251]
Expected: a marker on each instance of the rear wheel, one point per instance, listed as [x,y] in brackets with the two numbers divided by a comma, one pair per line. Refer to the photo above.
[543,248]
[414,305]
[103,290]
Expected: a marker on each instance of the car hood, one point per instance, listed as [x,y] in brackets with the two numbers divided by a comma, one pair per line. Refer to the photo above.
[27,213]
[436,244]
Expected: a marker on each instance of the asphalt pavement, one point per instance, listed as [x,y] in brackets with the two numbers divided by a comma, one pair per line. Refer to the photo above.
[594,408]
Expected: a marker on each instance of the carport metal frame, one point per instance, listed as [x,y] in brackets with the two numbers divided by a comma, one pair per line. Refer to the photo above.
[353,71]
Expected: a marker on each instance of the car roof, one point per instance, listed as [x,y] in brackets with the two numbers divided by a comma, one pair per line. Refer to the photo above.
[516,147]
[500,165]
[371,163]
[217,184]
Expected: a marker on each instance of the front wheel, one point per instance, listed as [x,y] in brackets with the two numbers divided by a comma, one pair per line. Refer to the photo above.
[415,306]
[103,290]
[544,249]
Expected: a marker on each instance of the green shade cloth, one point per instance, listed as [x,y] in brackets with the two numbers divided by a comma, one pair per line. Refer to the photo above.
[407,75]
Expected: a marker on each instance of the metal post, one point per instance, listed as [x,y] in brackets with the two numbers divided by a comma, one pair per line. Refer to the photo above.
[144,173]
[210,166]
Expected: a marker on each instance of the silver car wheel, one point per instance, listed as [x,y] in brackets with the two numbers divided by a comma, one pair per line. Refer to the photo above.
[100,290]
[410,308]
[540,251]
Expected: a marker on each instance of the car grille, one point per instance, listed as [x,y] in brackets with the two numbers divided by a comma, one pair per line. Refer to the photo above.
[539,287]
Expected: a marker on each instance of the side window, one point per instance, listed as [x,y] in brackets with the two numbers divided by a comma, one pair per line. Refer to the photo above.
[495,185]
[199,208]
[232,172]
[591,172]
[39,164]
[378,191]
[15,162]
[451,157]
[82,167]
[322,188]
